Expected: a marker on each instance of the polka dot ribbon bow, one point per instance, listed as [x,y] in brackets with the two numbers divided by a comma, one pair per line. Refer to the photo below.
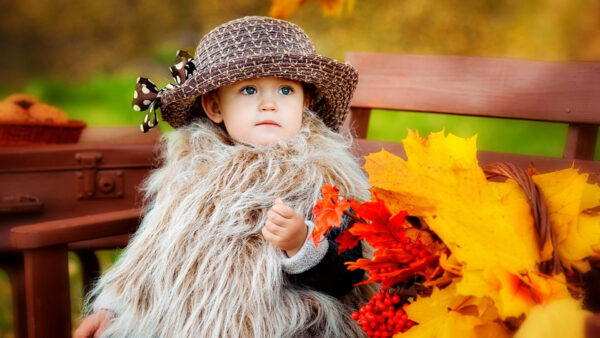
[147,96]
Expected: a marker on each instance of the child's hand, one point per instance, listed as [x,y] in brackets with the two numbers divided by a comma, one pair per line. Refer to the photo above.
[285,228]
[93,325]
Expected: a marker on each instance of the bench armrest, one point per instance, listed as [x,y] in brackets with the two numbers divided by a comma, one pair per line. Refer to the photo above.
[75,229]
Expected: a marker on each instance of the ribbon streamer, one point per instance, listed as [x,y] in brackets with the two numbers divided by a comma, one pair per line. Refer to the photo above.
[183,68]
[147,95]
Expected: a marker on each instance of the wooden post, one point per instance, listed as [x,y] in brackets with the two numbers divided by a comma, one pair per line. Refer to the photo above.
[581,141]
[47,277]
[12,262]
[358,122]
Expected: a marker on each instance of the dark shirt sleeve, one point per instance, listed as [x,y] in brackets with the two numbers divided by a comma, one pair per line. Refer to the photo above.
[330,275]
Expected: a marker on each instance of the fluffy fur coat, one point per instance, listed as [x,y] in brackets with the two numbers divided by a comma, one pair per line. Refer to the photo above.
[199,267]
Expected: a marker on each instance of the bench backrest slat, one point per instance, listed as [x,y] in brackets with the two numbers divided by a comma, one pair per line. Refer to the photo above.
[567,92]
[509,88]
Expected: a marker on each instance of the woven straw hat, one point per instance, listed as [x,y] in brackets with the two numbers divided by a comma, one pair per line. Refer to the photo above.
[254,47]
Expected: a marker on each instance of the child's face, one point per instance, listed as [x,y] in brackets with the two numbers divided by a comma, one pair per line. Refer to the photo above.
[258,111]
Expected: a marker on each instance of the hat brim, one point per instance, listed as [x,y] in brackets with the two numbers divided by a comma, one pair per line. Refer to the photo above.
[334,80]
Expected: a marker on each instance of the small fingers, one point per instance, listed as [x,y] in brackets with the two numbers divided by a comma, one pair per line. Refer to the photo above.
[275,228]
[103,326]
[88,327]
[276,218]
[271,232]
[283,209]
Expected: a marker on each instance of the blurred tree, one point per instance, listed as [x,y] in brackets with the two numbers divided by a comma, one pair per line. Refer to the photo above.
[72,39]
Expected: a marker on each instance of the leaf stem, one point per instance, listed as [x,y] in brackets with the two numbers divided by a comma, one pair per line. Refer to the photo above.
[462,303]
[569,285]
[354,217]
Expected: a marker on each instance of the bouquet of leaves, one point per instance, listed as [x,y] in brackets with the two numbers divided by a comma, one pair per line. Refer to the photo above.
[459,255]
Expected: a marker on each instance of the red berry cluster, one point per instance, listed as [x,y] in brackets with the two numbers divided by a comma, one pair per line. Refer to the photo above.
[383,316]
[417,249]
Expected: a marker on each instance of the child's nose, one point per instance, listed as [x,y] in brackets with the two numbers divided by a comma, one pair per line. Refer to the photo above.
[267,103]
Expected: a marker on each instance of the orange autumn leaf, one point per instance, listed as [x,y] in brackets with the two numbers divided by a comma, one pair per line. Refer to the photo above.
[334,7]
[328,212]
[282,9]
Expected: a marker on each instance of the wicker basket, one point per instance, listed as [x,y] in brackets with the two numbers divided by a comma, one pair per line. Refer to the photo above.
[22,133]
[539,211]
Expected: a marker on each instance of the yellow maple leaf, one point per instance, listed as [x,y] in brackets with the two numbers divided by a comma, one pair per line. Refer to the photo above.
[589,228]
[397,202]
[483,223]
[591,196]
[558,319]
[445,313]
[577,232]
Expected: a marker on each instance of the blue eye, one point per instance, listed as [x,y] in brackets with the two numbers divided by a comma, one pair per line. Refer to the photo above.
[248,90]
[285,90]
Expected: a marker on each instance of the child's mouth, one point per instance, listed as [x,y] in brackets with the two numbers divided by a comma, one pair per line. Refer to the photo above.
[268,123]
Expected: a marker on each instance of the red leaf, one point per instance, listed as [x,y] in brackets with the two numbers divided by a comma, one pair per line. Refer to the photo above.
[382,231]
[346,241]
[373,211]
[390,269]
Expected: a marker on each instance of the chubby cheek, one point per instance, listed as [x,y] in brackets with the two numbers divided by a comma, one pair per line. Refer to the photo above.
[294,124]
[294,128]
[237,129]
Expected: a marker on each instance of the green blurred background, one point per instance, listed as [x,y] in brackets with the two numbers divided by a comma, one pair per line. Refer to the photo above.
[85,56]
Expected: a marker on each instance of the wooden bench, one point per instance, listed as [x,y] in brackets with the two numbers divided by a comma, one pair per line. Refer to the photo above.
[500,88]
[506,88]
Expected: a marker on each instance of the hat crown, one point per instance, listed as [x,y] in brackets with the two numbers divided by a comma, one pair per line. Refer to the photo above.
[251,37]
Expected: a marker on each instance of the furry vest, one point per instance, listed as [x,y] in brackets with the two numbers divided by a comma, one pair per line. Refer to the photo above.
[198,265]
